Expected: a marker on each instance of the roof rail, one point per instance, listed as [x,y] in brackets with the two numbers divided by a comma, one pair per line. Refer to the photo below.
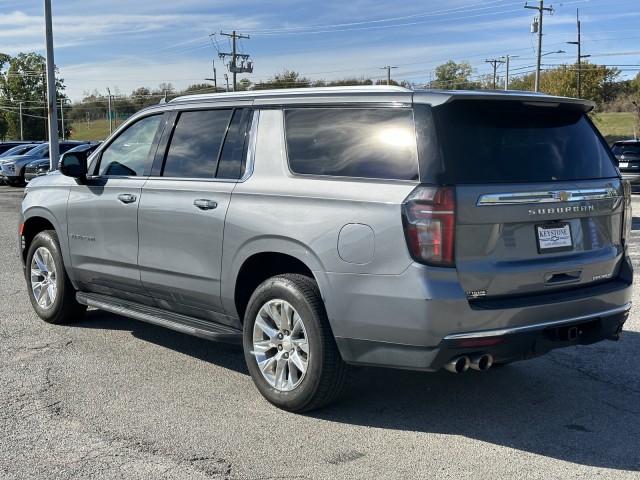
[248,94]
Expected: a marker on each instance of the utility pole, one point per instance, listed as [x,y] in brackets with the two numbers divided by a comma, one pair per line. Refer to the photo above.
[541,9]
[245,64]
[110,126]
[62,117]
[494,63]
[214,79]
[21,133]
[388,69]
[52,104]
[580,56]
[506,75]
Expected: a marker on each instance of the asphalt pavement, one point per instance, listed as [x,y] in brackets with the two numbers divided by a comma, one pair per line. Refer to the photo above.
[112,398]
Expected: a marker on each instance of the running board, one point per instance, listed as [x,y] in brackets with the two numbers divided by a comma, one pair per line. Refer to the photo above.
[175,321]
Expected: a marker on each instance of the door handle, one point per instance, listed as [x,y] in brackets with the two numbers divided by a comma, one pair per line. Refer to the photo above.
[127,197]
[204,204]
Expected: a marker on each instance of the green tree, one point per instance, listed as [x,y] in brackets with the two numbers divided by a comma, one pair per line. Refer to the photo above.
[454,76]
[244,85]
[23,83]
[598,82]
[286,79]
[198,88]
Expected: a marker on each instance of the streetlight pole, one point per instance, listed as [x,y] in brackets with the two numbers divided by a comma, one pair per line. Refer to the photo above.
[52,105]
[506,73]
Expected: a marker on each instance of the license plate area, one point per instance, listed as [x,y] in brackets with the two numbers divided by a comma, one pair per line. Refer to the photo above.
[554,237]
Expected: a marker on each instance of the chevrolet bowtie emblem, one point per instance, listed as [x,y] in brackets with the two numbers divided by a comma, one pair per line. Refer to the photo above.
[563,196]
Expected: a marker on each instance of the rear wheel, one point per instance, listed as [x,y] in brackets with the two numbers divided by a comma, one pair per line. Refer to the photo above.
[289,347]
[50,291]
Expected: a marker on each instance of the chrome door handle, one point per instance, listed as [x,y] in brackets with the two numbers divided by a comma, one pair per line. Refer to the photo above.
[204,204]
[127,198]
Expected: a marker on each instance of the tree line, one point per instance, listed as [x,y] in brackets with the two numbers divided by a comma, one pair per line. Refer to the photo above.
[23,96]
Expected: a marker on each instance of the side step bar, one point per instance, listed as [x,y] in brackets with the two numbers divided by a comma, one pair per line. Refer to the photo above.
[175,321]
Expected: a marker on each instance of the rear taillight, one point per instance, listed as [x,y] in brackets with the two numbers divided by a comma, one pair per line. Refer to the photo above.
[429,225]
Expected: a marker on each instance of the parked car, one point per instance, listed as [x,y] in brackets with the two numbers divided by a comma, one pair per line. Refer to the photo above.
[627,152]
[18,150]
[12,169]
[41,166]
[323,228]
[4,146]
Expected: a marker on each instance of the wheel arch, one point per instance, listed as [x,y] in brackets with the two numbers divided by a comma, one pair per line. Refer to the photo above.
[30,228]
[259,267]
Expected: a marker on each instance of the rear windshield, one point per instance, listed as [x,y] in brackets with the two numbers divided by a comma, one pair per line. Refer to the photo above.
[628,150]
[495,142]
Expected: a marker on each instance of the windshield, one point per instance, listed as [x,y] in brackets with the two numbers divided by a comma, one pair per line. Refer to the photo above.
[40,150]
[17,150]
[506,141]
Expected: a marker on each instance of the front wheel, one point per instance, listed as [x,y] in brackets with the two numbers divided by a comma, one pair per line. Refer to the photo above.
[289,347]
[50,291]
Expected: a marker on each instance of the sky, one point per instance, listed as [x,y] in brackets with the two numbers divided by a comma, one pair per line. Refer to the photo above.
[124,45]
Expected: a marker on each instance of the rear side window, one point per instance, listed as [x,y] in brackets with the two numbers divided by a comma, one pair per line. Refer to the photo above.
[512,142]
[196,142]
[352,142]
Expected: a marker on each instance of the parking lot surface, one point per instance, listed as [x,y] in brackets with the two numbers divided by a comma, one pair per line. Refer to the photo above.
[109,397]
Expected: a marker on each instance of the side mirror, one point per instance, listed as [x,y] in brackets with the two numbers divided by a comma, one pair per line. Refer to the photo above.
[74,164]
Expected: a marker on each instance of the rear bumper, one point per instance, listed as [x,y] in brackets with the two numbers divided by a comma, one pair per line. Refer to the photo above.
[504,345]
[422,319]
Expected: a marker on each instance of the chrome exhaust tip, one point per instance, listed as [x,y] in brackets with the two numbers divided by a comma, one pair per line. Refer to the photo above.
[457,364]
[481,362]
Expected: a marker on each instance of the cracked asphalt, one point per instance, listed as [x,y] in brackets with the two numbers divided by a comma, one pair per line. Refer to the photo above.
[111,398]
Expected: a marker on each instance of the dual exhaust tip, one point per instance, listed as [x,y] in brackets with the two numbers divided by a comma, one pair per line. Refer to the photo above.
[478,361]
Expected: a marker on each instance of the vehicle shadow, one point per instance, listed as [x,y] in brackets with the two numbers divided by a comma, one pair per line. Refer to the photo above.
[578,404]
[226,355]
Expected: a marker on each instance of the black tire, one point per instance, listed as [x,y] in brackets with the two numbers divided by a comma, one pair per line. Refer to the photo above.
[50,291]
[282,351]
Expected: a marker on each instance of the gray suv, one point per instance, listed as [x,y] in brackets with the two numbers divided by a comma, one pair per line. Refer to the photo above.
[325,228]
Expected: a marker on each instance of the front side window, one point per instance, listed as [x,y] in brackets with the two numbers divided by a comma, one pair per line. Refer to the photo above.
[127,155]
[195,144]
[352,142]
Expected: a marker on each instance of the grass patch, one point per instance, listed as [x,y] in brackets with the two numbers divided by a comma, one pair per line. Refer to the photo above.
[615,126]
[96,130]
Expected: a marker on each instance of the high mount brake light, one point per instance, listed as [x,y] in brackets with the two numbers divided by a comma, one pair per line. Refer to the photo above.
[429,225]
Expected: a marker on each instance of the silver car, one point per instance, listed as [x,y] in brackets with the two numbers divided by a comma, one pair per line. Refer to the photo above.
[325,228]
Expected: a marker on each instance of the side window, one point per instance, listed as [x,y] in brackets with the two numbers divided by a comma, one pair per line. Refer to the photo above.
[352,142]
[127,155]
[195,144]
[231,160]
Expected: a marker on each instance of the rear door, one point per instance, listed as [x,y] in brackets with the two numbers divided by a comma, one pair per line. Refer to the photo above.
[539,201]
[183,209]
